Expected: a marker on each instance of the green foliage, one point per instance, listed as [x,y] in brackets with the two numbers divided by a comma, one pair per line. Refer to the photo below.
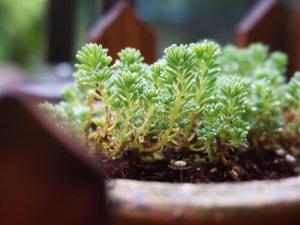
[264,75]
[292,105]
[293,93]
[254,62]
[195,98]
[21,30]
[264,110]
[223,125]
[71,119]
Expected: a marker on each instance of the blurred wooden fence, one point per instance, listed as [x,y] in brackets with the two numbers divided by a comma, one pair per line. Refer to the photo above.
[46,178]
[271,23]
[120,27]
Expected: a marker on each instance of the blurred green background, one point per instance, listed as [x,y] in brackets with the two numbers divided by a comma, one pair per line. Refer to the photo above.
[22,31]
[22,24]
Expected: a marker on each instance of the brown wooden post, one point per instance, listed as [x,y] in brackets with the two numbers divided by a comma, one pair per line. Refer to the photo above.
[60,30]
[122,28]
[293,41]
[46,178]
[270,23]
[266,22]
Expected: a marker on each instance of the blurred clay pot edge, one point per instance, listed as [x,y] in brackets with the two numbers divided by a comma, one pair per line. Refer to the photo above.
[257,202]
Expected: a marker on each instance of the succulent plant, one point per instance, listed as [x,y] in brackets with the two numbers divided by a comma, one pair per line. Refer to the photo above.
[195,98]
[292,105]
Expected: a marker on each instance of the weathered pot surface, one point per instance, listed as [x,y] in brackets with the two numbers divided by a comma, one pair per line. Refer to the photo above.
[258,202]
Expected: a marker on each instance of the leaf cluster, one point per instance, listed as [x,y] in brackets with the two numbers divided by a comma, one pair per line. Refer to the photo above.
[195,98]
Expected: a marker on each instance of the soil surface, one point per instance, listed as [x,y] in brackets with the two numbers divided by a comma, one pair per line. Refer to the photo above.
[179,166]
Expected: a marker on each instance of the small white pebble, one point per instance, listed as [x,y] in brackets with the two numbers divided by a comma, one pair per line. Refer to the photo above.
[280,129]
[234,175]
[280,152]
[180,163]
[290,158]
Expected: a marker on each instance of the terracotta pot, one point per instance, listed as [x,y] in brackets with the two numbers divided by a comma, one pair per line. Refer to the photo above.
[256,203]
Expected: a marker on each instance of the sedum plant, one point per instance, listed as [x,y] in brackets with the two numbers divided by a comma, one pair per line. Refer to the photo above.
[263,73]
[292,106]
[197,98]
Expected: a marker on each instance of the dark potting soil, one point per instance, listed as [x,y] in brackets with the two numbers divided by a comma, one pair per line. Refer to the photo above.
[179,167]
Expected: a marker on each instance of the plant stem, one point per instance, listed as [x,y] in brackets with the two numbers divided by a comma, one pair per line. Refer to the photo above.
[87,126]
[124,131]
[173,117]
[106,102]
[144,127]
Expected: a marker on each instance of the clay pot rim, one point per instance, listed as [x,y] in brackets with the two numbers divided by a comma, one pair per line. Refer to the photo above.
[133,199]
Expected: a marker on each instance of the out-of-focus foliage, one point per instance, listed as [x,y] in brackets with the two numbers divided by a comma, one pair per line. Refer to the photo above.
[21,30]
